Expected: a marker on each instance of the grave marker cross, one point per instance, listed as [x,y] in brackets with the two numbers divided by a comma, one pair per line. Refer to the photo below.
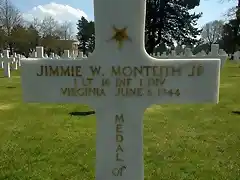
[120,80]
[7,60]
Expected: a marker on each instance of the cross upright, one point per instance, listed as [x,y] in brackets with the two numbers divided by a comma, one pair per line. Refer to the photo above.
[120,80]
[7,60]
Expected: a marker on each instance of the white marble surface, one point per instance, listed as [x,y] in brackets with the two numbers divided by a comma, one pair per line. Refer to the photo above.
[109,107]
[40,51]
[7,63]
[218,53]
[236,56]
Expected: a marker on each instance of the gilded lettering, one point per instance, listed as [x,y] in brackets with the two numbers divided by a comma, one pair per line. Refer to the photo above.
[119,148]
[65,71]
[129,92]
[127,71]
[41,71]
[95,70]
[153,71]
[119,138]
[68,92]
[118,158]
[53,71]
[82,92]
[116,71]
[156,82]
[105,82]
[60,71]
[197,70]
[171,92]
[78,71]
[46,71]
[119,119]
[64,91]
[119,128]
[123,82]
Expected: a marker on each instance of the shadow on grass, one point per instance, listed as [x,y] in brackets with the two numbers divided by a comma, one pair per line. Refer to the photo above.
[87,113]
[11,87]
[233,76]
[236,112]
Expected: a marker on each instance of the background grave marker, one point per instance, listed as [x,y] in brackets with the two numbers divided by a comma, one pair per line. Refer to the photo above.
[7,63]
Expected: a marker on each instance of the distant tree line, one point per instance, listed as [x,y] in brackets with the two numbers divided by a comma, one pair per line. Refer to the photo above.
[169,25]
[22,36]
[226,34]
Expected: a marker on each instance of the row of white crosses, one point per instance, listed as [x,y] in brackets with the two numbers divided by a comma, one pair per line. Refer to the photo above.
[120,80]
[6,62]
[236,57]
[214,53]
[66,55]
[39,54]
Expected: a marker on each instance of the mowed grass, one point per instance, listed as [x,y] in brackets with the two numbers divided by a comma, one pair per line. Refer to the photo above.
[181,142]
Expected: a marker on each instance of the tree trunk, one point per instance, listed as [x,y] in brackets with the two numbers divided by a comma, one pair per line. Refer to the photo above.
[150,47]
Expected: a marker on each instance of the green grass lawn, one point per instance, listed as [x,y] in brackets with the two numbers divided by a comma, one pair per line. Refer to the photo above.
[181,142]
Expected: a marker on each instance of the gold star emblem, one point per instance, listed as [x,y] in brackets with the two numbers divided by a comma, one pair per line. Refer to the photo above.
[120,35]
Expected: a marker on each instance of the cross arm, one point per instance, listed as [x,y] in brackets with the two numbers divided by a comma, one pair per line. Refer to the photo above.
[60,81]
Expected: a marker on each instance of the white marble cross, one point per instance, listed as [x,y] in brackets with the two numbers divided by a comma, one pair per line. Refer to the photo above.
[236,56]
[66,54]
[1,61]
[7,63]
[15,61]
[40,52]
[220,53]
[188,52]
[52,55]
[33,54]
[120,80]
[19,57]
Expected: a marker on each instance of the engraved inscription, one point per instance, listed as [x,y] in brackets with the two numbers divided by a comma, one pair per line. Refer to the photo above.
[119,120]
[152,71]
[197,70]
[119,124]
[80,91]
[60,71]
[129,81]
[129,92]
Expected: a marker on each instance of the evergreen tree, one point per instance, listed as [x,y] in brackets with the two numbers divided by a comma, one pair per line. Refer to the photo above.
[91,41]
[231,36]
[170,20]
[34,38]
[84,34]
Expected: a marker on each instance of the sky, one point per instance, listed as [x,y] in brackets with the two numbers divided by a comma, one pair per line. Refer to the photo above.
[72,10]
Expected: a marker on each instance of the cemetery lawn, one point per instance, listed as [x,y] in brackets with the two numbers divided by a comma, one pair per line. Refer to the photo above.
[190,142]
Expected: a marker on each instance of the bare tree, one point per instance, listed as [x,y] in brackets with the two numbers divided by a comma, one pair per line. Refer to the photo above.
[48,26]
[212,32]
[36,23]
[64,30]
[233,12]
[10,17]
[67,29]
